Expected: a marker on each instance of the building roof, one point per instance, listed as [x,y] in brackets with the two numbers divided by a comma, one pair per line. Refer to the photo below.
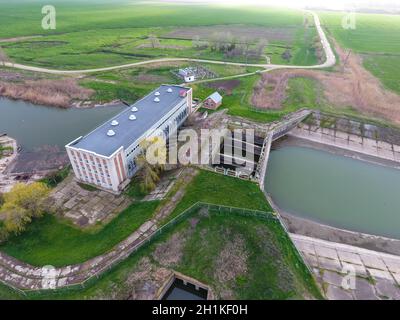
[216,97]
[123,129]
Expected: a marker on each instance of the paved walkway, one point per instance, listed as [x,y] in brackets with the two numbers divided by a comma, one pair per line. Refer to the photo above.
[85,208]
[20,275]
[377,275]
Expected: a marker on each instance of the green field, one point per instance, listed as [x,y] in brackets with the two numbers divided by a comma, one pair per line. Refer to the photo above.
[53,241]
[376,38]
[272,270]
[50,240]
[100,34]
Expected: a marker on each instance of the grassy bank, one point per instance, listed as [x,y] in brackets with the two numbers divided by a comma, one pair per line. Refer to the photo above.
[376,38]
[50,240]
[262,262]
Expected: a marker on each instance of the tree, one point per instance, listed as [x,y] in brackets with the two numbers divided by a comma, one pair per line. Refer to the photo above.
[21,204]
[149,173]
[155,43]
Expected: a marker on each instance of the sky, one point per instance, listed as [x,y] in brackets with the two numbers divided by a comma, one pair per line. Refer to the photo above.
[334,5]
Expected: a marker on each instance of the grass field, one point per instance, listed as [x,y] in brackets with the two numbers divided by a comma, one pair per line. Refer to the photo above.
[100,34]
[301,93]
[273,269]
[52,241]
[376,38]
[270,267]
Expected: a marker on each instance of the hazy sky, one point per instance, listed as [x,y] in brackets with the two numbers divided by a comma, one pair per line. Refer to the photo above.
[336,4]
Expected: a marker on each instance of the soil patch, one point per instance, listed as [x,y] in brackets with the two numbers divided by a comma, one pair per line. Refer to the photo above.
[240,31]
[232,260]
[349,85]
[170,253]
[227,86]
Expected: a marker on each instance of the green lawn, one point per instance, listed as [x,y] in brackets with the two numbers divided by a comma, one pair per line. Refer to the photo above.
[223,190]
[99,34]
[50,241]
[376,38]
[274,270]
[301,93]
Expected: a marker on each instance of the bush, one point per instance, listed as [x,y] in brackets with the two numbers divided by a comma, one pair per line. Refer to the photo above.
[23,203]
[54,178]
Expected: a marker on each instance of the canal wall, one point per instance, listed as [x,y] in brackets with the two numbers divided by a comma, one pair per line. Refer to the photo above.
[352,135]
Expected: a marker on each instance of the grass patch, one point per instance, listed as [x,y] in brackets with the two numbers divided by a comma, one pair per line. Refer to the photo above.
[376,37]
[274,269]
[51,241]
[4,149]
[223,190]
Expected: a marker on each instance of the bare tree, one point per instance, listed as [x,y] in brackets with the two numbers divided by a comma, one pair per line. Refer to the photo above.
[155,43]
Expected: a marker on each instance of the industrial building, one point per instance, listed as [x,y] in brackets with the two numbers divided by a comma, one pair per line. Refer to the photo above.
[106,156]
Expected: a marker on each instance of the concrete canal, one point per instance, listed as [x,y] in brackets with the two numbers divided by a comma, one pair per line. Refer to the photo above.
[335,190]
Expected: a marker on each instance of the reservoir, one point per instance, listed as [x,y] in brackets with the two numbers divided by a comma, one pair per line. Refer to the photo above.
[335,190]
[35,126]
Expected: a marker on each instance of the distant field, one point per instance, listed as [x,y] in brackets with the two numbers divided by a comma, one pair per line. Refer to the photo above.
[102,34]
[376,38]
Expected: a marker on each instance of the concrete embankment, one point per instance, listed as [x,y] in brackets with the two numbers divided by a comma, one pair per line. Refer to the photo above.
[371,148]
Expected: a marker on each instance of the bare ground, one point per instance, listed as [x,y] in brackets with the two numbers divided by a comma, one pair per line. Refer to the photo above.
[227,85]
[169,253]
[350,85]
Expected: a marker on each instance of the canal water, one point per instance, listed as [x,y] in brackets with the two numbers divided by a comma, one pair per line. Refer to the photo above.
[35,126]
[334,190]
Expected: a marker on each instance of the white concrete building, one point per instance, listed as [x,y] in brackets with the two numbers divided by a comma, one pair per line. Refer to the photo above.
[187,74]
[106,156]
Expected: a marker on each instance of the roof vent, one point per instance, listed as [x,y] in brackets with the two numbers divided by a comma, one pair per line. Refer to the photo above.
[156,99]
[157,94]
[169,90]
[111,133]
[132,117]
[134,109]
[114,123]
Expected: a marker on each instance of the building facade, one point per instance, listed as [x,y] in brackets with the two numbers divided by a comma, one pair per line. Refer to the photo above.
[106,157]
[187,74]
[213,101]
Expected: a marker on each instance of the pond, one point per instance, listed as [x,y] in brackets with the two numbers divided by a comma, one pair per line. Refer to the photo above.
[35,126]
[335,190]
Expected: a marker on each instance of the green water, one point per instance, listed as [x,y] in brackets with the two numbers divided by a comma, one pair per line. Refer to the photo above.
[335,190]
[35,126]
